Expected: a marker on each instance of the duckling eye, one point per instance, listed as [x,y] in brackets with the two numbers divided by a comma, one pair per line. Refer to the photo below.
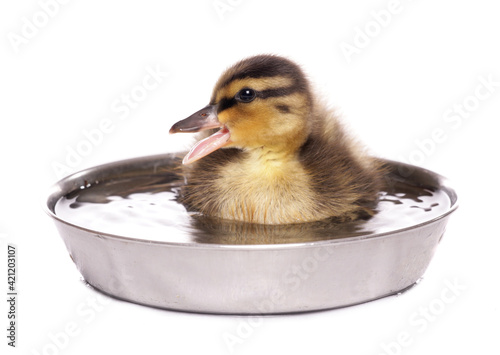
[245,95]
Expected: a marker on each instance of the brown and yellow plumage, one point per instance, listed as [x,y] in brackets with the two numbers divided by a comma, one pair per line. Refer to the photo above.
[284,159]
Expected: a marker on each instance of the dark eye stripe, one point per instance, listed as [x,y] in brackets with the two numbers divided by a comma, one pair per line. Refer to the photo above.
[277,92]
[226,103]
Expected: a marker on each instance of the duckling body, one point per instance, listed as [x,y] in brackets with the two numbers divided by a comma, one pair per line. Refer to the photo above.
[284,159]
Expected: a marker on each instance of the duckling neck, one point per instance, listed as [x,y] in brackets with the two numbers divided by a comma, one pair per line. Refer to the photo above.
[267,168]
[272,157]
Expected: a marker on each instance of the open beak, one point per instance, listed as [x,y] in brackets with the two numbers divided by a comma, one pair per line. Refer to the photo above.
[204,119]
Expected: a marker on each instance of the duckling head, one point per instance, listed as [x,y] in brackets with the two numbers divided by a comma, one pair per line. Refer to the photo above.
[260,103]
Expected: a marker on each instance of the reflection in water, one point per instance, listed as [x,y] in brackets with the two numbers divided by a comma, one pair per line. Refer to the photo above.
[217,231]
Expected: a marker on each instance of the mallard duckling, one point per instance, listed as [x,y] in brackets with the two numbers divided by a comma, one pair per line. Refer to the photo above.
[285,157]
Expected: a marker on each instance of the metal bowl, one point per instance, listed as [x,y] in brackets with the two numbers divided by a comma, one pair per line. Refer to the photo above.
[233,276]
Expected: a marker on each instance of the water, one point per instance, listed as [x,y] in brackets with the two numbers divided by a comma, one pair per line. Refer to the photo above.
[144,207]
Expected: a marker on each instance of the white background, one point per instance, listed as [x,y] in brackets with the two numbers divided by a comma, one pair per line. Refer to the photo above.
[62,78]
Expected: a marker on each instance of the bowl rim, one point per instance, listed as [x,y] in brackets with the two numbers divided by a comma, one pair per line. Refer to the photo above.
[56,191]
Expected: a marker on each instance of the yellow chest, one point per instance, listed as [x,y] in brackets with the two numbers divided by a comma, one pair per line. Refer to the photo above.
[266,191]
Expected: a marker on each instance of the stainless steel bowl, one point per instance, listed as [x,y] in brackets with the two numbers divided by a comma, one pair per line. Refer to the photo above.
[301,274]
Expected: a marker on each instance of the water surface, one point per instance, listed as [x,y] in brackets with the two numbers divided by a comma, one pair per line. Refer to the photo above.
[145,207]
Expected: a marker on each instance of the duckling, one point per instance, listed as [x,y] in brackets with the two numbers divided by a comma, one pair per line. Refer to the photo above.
[272,153]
